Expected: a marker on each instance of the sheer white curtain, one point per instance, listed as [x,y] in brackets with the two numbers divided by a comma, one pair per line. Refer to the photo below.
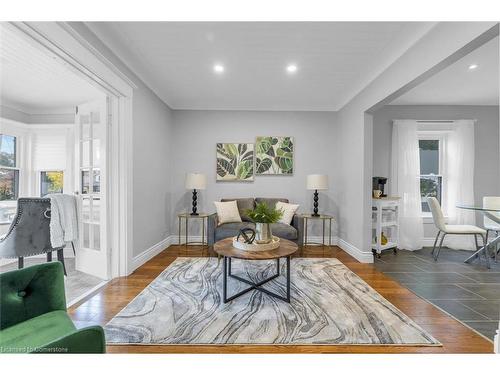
[460,181]
[405,183]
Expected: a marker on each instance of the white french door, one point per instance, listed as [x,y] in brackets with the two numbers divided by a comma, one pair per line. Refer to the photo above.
[91,141]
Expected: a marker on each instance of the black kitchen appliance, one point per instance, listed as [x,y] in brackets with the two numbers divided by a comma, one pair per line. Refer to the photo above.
[379,184]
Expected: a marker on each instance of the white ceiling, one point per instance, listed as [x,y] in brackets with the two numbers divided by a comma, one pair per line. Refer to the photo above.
[457,85]
[335,60]
[33,82]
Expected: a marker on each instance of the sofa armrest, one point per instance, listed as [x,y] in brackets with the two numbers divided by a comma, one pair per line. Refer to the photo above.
[31,292]
[85,340]
[211,225]
[298,224]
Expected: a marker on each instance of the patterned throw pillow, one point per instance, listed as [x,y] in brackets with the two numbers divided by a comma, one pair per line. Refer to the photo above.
[288,211]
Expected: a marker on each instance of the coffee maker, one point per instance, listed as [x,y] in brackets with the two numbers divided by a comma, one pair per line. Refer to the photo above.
[379,184]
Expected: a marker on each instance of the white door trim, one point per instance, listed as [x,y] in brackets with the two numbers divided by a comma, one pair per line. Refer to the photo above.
[66,45]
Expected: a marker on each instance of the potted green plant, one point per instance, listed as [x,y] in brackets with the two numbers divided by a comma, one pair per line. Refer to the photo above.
[263,216]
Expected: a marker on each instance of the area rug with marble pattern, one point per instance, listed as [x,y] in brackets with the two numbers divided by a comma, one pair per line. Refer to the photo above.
[330,305]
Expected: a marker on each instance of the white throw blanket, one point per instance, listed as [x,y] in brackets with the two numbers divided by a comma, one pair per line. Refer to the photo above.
[64,219]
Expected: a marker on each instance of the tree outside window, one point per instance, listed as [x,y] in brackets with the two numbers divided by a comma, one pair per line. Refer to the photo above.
[9,174]
[51,182]
[431,180]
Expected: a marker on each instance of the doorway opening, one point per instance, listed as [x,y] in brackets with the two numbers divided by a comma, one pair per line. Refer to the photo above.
[53,141]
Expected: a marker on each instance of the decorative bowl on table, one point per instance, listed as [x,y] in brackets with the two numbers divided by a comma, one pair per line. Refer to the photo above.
[242,245]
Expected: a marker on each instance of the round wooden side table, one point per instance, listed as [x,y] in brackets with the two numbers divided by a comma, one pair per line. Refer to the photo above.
[226,249]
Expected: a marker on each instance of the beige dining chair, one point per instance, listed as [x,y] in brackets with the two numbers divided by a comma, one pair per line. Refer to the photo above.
[446,229]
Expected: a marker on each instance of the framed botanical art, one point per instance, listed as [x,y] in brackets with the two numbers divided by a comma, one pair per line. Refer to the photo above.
[274,155]
[235,161]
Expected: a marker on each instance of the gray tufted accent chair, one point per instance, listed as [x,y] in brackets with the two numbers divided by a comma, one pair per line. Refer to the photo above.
[29,232]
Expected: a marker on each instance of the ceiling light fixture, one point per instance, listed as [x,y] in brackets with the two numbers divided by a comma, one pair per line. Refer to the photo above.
[473,66]
[218,68]
[292,68]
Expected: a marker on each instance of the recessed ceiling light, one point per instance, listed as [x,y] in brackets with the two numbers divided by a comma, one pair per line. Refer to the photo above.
[218,68]
[473,66]
[292,68]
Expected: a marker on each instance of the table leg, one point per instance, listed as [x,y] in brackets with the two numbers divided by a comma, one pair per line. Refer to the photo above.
[229,267]
[179,231]
[203,232]
[278,266]
[186,227]
[288,278]
[330,233]
[224,280]
[323,241]
[305,231]
[484,250]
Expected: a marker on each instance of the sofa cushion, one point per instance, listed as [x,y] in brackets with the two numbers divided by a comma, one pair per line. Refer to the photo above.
[244,204]
[284,231]
[231,229]
[37,332]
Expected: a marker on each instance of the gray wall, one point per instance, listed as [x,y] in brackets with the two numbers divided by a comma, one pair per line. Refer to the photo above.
[152,169]
[486,134]
[197,132]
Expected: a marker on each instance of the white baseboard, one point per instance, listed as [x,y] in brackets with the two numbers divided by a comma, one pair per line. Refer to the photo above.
[352,250]
[157,248]
[496,341]
[316,239]
[146,255]
[319,239]
[428,241]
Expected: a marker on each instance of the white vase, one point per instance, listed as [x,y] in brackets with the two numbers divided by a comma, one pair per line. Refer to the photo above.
[263,233]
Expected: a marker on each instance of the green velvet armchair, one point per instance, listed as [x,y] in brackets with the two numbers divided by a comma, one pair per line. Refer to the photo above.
[33,317]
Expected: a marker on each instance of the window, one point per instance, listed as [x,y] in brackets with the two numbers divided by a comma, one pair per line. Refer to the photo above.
[431,179]
[9,173]
[51,182]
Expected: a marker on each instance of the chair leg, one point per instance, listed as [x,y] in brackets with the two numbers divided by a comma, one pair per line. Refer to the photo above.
[486,252]
[20,262]
[73,246]
[435,242]
[477,244]
[60,258]
[49,256]
[439,248]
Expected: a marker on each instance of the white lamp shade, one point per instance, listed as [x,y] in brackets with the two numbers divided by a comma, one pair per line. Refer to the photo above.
[317,182]
[196,181]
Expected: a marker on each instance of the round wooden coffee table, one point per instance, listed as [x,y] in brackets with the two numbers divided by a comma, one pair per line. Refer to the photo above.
[285,250]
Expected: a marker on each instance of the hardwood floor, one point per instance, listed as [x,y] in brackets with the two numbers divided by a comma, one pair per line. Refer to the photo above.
[455,337]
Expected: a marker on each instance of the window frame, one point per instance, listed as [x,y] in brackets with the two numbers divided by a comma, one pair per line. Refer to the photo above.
[17,166]
[441,136]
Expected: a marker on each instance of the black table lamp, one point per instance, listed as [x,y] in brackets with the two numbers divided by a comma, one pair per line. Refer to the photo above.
[195,181]
[316,182]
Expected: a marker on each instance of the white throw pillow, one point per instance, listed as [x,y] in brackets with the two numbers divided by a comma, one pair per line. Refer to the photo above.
[227,212]
[288,211]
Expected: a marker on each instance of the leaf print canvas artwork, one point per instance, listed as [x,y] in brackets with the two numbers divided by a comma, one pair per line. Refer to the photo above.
[235,161]
[274,155]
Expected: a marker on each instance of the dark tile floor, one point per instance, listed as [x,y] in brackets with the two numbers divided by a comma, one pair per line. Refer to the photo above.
[468,292]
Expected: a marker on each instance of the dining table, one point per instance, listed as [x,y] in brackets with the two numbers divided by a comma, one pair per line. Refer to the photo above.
[492,213]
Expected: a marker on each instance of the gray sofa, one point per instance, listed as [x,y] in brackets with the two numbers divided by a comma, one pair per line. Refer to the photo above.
[216,232]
